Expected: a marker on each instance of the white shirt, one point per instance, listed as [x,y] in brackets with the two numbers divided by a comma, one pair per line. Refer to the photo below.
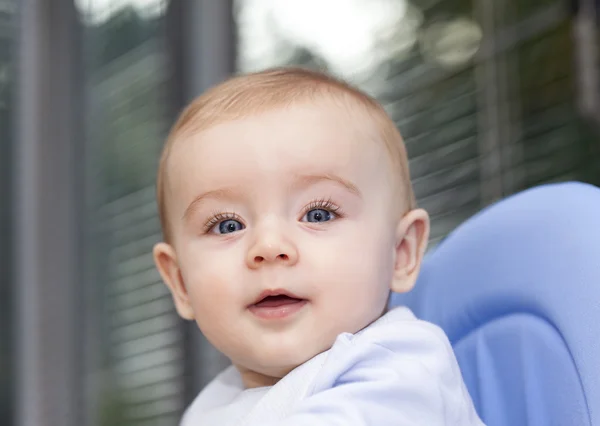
[398,371]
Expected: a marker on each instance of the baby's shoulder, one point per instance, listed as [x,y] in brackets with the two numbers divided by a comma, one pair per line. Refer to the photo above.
[397,339]
[399,328]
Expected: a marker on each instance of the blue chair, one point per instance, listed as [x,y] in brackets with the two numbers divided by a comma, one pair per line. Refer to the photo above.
[517,290]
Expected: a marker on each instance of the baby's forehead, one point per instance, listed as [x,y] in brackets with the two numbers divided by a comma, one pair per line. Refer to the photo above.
[281,151]
[293,125]
[326,130]
[305,135]
[345,108]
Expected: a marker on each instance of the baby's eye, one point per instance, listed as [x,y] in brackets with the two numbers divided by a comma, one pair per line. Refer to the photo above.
[318,215]
[227,227]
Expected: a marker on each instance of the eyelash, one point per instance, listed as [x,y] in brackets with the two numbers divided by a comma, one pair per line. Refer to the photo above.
[321,203]
[219,217]
[325,204]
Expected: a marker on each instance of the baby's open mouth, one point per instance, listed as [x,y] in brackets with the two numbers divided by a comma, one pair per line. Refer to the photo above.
[276,304]
[276,301]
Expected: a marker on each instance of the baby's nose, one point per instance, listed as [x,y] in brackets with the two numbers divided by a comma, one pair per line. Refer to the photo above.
[273,249]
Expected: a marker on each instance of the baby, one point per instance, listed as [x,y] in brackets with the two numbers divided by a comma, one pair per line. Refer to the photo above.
[288,217]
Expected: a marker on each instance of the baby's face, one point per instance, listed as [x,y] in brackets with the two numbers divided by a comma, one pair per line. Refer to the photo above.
[283,228]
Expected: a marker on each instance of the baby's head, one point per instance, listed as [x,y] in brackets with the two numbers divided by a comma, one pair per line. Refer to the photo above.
[288,216]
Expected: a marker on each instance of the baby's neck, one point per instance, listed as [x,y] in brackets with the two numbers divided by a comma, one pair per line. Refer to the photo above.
[252,379]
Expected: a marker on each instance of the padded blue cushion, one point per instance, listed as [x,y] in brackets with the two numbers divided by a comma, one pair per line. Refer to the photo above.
[529,347]
[517,290]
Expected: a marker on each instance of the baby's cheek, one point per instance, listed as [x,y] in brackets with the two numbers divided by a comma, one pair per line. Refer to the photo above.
[212,302]
[364,270]
[211,290]
[207,289]
[361,254]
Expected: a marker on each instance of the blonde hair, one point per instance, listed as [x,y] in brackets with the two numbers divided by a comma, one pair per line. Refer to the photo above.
[250,94]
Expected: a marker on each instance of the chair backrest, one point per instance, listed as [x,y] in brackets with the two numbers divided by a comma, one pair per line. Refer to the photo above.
[517,290]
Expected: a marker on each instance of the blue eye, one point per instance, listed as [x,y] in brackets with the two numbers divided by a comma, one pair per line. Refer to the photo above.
[228,226]
[224,223]
[318,215]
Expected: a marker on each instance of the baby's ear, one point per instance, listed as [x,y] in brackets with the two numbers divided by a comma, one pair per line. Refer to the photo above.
[412,234]
[166,262]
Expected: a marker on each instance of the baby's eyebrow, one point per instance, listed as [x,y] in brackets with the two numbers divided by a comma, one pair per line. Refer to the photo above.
[300,181]
[218,194]
[311,179]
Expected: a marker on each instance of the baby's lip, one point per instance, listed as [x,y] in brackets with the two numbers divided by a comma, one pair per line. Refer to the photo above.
[275,292]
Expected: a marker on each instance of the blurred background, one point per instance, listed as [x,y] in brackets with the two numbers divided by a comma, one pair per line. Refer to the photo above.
[492,97]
